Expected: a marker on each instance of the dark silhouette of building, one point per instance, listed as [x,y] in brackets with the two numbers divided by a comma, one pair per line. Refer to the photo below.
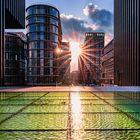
[74,78]
[44,38]
[126,43]
[90,60]
[107,69]
[65,59]
[14,70]
[12,16]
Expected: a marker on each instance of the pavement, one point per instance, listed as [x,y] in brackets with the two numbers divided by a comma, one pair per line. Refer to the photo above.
[70,88]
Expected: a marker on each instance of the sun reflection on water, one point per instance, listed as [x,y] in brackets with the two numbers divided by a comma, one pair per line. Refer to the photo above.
[76,112]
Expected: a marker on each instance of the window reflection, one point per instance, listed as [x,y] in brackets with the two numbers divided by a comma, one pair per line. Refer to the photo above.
[54,12]
[42,62]
[41,27]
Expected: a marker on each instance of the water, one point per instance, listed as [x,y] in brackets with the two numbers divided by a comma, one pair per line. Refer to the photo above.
[70,116]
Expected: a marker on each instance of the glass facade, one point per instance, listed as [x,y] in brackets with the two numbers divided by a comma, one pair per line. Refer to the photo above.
[90,71]
[44,37]
[12,16]
[107,77]
[14,60]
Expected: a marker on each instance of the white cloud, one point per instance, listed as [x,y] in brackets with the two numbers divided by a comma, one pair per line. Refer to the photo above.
[89,9]
[99,17]
[74,28]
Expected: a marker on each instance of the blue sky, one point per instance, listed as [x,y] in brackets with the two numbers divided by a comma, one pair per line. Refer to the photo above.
[75,7]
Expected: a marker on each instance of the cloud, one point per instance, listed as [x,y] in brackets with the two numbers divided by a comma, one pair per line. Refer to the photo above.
[89,9]
[100,20]
[74,27]
[101,17]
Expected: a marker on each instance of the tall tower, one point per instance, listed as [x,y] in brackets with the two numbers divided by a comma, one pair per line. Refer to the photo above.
[90,60]
[44,38]
[126,43]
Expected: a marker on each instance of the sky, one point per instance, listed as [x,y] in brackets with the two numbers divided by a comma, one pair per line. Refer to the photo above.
[74,7]
[80,16]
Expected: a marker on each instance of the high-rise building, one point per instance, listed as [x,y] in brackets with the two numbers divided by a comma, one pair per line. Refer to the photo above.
[12,15]
[14,68]
[90,60]
[126,43]
[44,36]
[107,76]
[65,59]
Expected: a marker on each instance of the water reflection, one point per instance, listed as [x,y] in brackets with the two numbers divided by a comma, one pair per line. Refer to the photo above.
[76,117]
[58,119]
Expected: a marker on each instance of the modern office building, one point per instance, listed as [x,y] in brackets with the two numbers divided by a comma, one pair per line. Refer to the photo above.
[14,68]
[44,36]
[65,59]
[12,15]
[126,43]
[107,70]
[90,60]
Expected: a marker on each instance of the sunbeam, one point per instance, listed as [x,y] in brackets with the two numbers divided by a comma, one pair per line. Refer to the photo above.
[76,110]
[75,51]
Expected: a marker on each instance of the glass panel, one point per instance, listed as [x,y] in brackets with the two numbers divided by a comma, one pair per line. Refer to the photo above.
[48,135]
[47,109]
[53,12]
[108,121]
[38,121]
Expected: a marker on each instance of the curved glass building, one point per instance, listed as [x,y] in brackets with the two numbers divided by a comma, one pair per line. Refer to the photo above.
[44,38]
[14,60]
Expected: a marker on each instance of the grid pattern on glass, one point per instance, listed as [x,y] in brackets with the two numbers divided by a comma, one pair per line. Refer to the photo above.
[69,115]
[48,135]
[36,112]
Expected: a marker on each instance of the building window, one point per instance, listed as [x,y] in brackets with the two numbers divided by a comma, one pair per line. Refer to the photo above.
[7,56]
[16,57]
[54,12]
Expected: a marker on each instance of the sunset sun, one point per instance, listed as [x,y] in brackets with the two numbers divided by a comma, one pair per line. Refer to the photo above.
[75,51]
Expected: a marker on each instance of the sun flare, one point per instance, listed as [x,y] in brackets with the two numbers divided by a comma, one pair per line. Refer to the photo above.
[75,51]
